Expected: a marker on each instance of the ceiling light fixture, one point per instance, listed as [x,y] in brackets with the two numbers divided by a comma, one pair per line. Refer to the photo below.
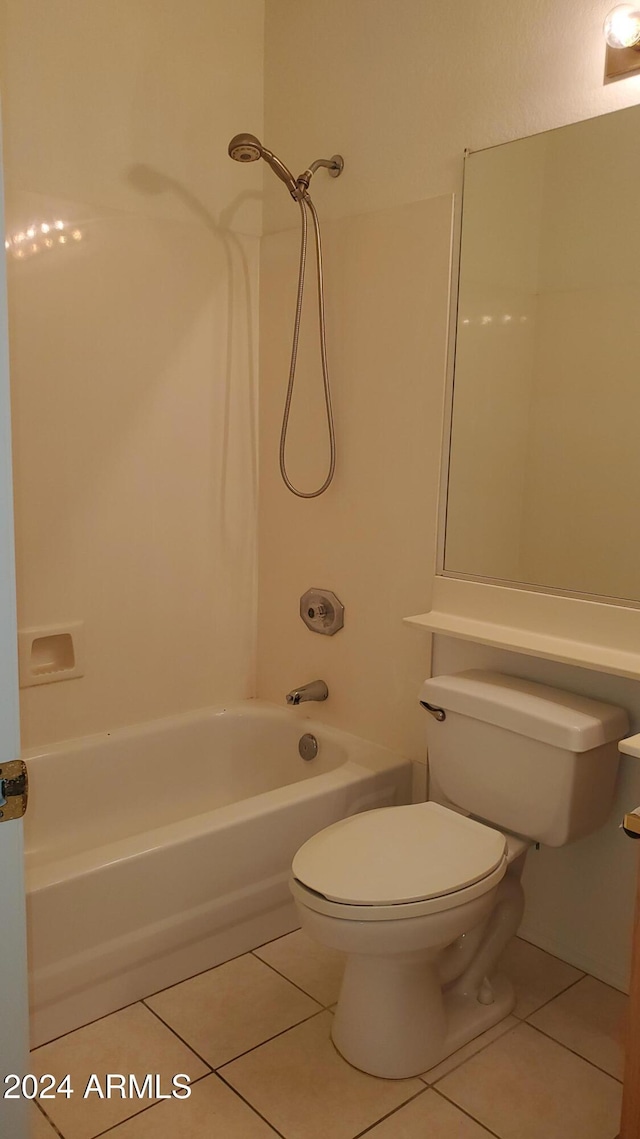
[622,33]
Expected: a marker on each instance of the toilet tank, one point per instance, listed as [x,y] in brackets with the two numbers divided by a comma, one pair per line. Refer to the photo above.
[531,759]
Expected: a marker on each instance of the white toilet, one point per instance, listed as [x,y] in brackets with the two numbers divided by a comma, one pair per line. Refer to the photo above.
[422,898]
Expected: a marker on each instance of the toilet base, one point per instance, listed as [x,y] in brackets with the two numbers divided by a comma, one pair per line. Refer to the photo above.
[468,1018]
[464,1016]
[395,1019]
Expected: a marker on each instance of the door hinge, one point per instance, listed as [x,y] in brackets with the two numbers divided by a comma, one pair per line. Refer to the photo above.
[14,790]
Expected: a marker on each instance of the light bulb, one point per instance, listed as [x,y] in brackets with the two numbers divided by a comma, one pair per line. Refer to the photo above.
[622,26]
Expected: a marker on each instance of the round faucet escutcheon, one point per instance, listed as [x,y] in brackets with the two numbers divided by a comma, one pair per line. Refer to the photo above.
[322,611]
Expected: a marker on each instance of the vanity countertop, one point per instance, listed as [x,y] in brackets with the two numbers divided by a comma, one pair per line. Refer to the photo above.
[630,746]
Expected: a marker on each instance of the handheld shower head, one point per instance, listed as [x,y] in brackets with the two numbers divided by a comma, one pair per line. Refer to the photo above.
[245,148]
[248,148]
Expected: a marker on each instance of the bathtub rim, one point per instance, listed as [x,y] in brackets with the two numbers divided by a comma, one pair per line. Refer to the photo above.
[45,867]
[251,706]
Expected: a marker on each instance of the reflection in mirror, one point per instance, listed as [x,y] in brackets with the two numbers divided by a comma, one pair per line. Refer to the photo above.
[544,478]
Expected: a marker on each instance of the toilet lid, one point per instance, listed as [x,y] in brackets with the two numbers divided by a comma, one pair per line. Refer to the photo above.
[398,854]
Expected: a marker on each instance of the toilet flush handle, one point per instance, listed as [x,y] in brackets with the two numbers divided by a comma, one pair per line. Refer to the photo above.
[437,713]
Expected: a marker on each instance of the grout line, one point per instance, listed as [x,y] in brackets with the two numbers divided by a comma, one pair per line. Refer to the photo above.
[268,1040]
[285,978]
[201,972]
[468,1115]
[50,1121]
[179,1037]
[572,985]
[321,1008]
[390,1114]
[476,1053]
[231,1059]
[144,1110]
[573,1052]
[156,992]
[554,955]
[249,1104]
[96,1020]
[210,968]
[273,940]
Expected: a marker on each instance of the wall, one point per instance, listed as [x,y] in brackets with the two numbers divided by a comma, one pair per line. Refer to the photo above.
[400,90]
[133,348]
[366,538]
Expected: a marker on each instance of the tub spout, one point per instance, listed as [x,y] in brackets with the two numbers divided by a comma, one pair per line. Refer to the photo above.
[316,690]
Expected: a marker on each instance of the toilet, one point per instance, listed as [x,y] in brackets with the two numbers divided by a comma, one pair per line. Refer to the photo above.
[424,898]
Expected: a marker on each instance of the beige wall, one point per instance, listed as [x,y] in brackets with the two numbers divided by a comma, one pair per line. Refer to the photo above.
[133,349]
[368,537]
[401,89]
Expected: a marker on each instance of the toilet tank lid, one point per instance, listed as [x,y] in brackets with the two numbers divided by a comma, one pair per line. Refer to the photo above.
[562,719]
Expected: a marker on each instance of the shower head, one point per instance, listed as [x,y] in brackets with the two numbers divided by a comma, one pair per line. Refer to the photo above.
[248,148]
[245,148]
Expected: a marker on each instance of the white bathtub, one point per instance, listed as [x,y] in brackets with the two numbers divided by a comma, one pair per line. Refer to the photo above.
[157,851]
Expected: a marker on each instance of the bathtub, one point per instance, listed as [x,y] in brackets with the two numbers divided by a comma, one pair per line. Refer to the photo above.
[157,851]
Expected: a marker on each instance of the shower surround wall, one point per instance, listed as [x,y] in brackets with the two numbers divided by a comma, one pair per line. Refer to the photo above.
[133,349]
[400,90]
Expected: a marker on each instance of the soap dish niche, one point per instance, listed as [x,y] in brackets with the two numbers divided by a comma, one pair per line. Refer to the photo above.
[52,653]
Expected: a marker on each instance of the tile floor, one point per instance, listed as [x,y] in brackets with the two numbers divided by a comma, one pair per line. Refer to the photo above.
[253,1036]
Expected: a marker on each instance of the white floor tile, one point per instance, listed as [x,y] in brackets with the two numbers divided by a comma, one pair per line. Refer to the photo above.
[525,1086]
[232,1008]
[132,1041]
[590,1019]
[312,966]
[304,1088]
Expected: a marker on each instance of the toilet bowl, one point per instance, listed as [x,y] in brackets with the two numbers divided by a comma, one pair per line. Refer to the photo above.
[422,900]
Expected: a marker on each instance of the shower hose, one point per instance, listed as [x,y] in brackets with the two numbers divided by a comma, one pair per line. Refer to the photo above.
[305,204]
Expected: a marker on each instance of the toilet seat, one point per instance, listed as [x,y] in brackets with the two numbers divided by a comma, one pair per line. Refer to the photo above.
[398,862]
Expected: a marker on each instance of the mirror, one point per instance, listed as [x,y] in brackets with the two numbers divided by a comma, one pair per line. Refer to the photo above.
[544,469]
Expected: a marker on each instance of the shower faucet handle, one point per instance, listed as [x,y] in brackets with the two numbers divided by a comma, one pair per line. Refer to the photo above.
[321,611]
